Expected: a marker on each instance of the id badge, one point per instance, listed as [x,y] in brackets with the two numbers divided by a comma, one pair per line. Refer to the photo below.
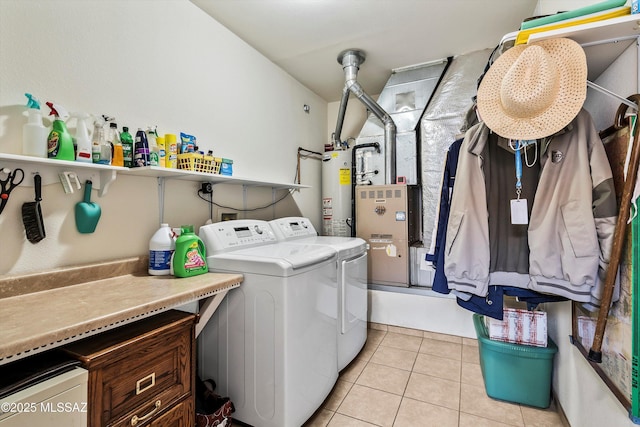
[519,213]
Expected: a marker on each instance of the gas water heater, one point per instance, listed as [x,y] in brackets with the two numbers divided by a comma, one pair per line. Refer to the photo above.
[336,193]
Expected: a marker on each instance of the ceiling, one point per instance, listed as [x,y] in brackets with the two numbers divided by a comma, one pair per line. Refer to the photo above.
[304,37]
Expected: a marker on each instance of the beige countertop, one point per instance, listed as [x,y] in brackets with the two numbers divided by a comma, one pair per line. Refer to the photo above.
[71,304]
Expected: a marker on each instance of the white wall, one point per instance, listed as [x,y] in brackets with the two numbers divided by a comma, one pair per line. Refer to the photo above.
[586,400]
[149,62]
[584,397]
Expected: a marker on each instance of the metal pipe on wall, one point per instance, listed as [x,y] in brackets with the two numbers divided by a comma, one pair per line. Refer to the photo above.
[337,142]
[351,60]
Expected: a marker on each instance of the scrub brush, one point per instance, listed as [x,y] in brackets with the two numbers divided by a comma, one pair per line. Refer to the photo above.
[32,215]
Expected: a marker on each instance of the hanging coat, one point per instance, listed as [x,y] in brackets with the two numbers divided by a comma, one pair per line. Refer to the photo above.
[572,219]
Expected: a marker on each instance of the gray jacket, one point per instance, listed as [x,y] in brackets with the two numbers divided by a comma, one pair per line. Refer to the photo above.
[572,219]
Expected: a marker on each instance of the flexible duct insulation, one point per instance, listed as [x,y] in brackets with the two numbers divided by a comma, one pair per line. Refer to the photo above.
[404,97]
[442,121]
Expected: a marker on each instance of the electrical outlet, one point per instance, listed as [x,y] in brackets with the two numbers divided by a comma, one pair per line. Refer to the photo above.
[228,216]
[206,188]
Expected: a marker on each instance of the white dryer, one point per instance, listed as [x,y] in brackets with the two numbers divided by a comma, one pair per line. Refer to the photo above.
[271,345]
[351,278]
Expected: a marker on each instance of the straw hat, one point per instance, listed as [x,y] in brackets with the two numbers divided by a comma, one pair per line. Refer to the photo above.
[532,91]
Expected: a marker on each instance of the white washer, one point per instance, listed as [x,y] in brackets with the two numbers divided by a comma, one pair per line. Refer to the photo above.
[351,278]
[271,344]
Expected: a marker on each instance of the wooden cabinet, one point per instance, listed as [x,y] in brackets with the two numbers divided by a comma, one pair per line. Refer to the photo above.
[142,374]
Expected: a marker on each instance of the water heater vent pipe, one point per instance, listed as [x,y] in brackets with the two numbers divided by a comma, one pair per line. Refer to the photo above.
[351,60]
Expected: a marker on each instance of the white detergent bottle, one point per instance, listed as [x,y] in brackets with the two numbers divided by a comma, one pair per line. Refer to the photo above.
[34,134]
[161,247]
[83,143]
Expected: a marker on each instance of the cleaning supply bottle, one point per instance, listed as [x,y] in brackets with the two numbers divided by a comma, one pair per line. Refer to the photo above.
[152,136]
[162,153]
[161,247]
[117,158]
[34,134]
[141,150]
[98,140]
[83,143]
[106,148]
[190,256]
[59,141]
[171,149]
[127,147]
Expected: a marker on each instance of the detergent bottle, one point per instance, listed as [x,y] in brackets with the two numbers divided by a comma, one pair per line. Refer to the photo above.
[83,143]
[34,134]
[59,141]
[141,150]
[127,147]
[190,256]
[154,156]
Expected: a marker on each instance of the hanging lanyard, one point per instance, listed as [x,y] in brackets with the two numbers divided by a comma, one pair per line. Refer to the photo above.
[519,211]
[517,147]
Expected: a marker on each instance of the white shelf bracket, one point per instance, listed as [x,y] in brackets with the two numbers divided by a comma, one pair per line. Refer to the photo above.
[612,94]
[106,178]
[161,185]
[207,309]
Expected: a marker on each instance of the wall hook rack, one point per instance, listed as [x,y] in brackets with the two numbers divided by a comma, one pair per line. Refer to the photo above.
[102,176]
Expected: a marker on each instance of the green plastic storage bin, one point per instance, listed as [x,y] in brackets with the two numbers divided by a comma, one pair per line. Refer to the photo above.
[514,372]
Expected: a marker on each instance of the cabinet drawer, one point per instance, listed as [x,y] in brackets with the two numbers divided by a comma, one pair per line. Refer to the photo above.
[158,372]
[133,370]
[180,415]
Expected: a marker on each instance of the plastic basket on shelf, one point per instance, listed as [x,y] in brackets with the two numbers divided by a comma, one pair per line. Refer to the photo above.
[195,162]
[217,161]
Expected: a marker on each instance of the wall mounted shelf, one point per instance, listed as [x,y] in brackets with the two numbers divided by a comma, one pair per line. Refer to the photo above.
[602,41]
[103,175]
[185,175]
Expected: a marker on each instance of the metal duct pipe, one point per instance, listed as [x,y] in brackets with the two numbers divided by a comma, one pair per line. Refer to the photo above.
[354,179]
[351,60]
[337,142]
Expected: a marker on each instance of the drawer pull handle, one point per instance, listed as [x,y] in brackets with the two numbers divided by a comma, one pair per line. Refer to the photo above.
[135,419]
[151,379]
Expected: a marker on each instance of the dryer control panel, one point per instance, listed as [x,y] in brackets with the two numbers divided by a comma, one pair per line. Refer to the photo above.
[239,234]
[292,228]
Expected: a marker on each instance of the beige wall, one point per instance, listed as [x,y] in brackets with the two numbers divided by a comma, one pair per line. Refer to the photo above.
[149,62]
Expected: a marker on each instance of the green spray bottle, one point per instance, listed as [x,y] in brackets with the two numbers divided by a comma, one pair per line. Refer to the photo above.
[59,142]
[190,257]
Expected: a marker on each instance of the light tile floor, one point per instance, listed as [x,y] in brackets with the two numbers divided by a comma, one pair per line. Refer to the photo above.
[406,377]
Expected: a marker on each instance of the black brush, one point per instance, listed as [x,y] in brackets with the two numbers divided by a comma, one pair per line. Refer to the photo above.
[32,215]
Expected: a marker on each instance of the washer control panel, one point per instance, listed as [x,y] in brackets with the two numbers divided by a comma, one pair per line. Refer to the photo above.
[230,235]
[292,227]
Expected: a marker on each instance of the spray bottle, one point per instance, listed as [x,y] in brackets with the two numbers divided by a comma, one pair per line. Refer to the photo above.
[106,148]
[83,150]
[59,142]
[34,134]
[98,139]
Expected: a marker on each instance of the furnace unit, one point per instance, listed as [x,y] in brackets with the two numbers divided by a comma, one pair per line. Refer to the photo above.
[388,218]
